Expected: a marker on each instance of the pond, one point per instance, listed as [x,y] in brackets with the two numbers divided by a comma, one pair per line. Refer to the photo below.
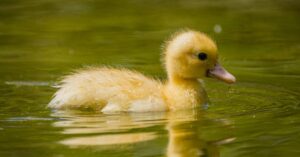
[42,40]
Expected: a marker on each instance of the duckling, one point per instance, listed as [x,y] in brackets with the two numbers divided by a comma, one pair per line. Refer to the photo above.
[189,56]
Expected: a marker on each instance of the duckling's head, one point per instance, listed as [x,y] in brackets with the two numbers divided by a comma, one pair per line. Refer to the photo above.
[193,55]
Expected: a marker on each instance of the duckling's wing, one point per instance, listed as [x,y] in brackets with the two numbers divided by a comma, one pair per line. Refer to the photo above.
[95,88]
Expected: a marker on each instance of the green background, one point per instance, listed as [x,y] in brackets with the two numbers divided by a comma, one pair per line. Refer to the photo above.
[42,40]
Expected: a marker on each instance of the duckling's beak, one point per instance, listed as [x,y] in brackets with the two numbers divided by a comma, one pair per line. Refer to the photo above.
[220,73]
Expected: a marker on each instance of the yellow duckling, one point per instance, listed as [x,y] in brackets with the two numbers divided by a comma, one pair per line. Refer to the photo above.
[189,56]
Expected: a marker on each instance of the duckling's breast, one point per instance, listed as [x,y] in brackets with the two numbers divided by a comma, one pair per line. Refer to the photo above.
[185,95]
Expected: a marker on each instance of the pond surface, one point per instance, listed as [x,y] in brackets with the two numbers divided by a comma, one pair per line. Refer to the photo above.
[42,40]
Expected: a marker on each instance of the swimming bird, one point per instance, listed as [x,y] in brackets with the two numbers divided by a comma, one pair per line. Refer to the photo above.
[189,56]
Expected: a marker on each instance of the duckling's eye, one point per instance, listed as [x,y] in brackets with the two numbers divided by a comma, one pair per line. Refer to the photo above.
[202,56]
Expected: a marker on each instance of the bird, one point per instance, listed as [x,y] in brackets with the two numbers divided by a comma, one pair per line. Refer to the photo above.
[188,57]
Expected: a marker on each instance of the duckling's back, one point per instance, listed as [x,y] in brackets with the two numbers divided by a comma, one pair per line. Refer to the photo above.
[109,90]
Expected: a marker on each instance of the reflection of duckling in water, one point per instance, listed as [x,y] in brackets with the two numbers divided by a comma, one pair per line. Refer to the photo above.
[188,56]
[186,137]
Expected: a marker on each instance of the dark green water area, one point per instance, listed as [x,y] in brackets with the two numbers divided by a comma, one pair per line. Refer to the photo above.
[42,40]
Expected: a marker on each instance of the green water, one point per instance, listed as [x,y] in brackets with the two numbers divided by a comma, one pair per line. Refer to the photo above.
[259,42]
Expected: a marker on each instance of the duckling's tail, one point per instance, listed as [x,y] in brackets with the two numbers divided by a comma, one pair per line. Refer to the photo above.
[66,97]
[59,99]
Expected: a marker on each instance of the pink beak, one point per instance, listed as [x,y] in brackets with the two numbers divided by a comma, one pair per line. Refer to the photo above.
[220,73]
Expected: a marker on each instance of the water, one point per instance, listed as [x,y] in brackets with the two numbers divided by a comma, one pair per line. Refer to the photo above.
[41,40]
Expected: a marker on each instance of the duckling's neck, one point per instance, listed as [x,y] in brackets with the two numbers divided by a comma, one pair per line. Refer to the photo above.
[183,93]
